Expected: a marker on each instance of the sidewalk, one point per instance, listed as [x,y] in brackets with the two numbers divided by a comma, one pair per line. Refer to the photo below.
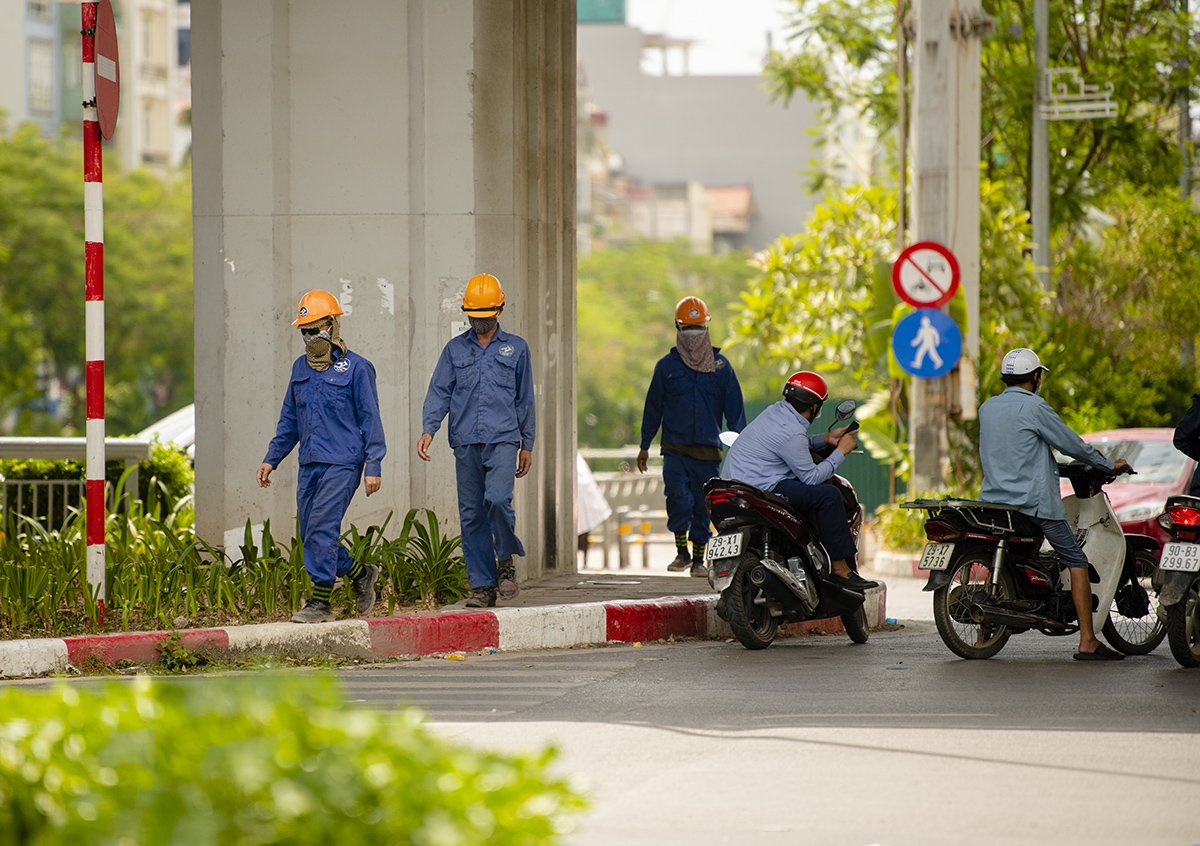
[591,606]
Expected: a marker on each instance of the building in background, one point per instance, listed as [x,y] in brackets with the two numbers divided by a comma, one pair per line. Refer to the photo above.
[708,158]
[41,74]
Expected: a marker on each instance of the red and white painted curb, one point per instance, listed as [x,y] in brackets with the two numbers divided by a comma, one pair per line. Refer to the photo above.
[503,629]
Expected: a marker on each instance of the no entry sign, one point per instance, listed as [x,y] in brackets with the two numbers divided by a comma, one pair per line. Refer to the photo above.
[926,275]
[108,69]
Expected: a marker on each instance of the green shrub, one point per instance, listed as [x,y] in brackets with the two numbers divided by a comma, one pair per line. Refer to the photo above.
[263,759]
[903,529]
[159,575]
[167,477]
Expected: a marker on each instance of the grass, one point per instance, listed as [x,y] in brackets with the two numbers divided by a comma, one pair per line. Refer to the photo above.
[159,575]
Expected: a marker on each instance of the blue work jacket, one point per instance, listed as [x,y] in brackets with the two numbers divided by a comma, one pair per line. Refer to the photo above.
[777,446]
[488,392]
[689,405]
[1018,432]
[333,414]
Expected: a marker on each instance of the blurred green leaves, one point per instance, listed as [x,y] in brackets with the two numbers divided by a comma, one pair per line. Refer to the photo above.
[262,759]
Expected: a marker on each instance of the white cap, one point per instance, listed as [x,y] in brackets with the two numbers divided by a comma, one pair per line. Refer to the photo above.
[1021,362]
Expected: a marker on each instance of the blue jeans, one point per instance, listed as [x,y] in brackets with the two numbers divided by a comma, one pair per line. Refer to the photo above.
[323,493]
[826,501]
[683,482]
[486,474]
[1058,532]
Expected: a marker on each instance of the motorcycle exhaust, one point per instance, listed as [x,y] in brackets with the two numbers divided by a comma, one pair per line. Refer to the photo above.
[990,615]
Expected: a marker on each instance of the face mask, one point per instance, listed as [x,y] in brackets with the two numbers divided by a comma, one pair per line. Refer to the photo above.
[483,325]
[692,331]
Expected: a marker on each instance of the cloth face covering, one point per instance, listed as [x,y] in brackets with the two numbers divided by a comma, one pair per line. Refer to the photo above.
[696,349]
[483,325]
[318,348]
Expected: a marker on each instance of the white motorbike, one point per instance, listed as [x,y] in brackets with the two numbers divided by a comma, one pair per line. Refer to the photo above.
[993,574]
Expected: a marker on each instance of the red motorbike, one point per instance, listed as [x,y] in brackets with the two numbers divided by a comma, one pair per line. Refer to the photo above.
[769,564]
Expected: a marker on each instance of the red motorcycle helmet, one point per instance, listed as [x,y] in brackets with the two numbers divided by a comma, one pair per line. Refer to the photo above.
[805,388]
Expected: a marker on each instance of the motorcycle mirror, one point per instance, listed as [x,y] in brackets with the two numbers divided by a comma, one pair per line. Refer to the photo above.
[728,438]
[845,409]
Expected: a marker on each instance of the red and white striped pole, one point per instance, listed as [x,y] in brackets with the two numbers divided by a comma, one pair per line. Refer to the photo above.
[93,233]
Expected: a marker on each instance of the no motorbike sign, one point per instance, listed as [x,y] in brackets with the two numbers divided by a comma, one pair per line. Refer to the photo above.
[926,275]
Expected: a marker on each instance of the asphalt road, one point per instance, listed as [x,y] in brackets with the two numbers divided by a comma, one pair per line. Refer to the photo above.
[816,740]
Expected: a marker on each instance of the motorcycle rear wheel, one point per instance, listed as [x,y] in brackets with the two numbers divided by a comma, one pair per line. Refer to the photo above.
[856,624]
[752,625]
[1183,626]
[1137,635]
[970,578]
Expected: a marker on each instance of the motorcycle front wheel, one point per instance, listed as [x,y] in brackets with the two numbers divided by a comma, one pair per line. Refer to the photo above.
[1183,626]
[1133,626]
[752,624]
[856,624]
[970,583]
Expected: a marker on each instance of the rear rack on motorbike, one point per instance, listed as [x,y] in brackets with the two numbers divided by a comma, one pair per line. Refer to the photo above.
[988,516]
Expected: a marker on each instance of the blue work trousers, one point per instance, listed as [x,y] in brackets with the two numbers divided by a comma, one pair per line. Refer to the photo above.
[683,482]
[486,474]
[827,503]
[323,493]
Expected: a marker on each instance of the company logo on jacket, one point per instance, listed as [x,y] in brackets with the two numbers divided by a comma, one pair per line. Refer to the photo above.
[342,366]
[507,349]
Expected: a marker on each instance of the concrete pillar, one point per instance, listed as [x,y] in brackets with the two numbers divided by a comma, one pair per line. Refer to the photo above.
[387,152]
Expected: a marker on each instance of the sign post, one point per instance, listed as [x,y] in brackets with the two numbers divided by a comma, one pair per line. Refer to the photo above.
[102,92]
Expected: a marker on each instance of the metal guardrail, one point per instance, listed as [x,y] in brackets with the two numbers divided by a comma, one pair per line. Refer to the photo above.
[53,498]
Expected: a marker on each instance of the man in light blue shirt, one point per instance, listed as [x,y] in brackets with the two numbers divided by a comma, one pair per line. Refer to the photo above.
[774,453]
[484,380]
[1018,432]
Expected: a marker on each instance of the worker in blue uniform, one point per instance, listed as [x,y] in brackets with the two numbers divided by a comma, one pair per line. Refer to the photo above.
[484,381]
[692,388]
[331,410]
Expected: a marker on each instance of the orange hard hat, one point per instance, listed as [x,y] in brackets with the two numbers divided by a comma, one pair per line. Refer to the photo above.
[483,297]
[691,311]
[316,305]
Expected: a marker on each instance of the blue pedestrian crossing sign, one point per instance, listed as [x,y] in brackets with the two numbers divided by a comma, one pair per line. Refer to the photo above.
[927,343]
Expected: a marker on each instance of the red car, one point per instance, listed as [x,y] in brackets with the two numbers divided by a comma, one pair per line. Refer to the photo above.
[1161,469]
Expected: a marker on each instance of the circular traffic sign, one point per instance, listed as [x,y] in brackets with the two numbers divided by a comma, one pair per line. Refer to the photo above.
[108,69]
[926,275]
[927,343]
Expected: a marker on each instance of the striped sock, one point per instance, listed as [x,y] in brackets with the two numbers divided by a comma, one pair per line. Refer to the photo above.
[698,550]
[681,544]
[356,570]
[324,593]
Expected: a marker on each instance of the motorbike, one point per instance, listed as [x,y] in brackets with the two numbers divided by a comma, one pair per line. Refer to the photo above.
[1178,579]
[768,562]
[993,574]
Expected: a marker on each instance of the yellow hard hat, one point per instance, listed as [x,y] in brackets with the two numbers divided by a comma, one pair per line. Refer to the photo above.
[483,297]
[315,305]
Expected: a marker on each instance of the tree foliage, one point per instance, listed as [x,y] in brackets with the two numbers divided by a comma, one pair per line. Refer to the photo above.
[843,55]
[147,291]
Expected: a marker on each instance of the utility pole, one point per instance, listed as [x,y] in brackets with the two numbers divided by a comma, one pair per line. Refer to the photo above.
[946,141]
[1039,148]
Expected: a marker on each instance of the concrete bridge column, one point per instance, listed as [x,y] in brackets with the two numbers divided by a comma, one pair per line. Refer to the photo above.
[386,151]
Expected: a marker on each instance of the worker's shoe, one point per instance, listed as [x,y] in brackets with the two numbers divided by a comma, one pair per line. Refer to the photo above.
[482,597]
[506,575]
[682,562]
[364,589]
[699,568]
[315,611]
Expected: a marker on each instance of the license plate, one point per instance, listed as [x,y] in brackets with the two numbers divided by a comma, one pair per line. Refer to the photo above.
[936,556]
[1180,556]
[723,546]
